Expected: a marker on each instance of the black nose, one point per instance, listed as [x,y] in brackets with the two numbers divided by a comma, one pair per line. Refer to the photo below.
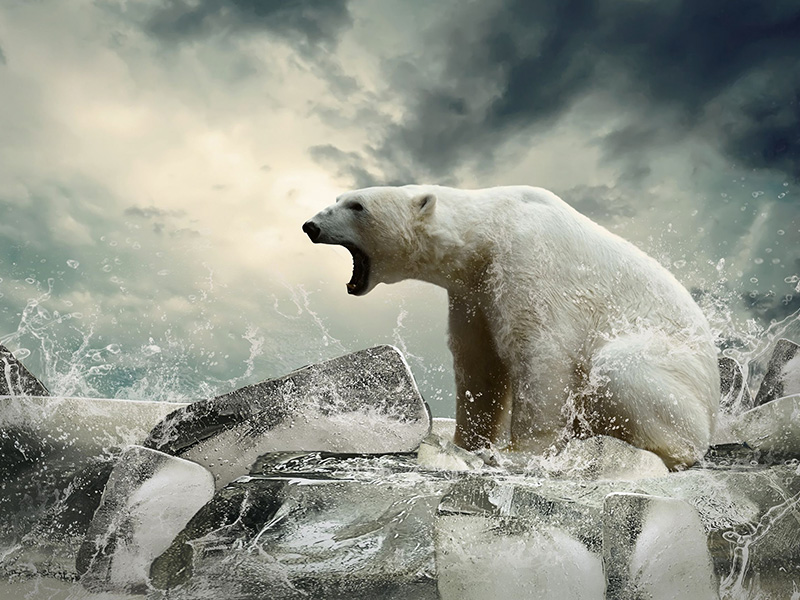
[312,230]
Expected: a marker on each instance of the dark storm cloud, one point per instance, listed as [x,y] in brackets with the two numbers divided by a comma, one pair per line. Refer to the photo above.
[348,164]
[729,69]
[311,23]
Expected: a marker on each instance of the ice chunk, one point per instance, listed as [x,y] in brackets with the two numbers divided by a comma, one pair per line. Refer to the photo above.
[149,498]
[481,558]
[783,373]
[322,526]
[365,402]
[772,429]
[750,519]
[603,457]
[502,540]
[735,396]
[437,450]
[15,379]
[655,548]
[51,446]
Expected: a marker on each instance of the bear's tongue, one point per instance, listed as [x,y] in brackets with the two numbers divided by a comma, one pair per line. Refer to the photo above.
[358,282]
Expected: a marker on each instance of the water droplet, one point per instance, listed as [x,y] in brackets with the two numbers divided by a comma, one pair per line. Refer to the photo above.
[114,348]
[107,268]
[754,279]
[22,353]
[781,195]
[776,261]
[151,349]
[163,272]
[781,232]
[30,280]
[679,264]
[758,261]
[73,264]
[791,279]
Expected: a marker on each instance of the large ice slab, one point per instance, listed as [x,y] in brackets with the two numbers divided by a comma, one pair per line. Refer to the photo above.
[783,373]
[655,548]
[149,498]
[320,526]
[364,402]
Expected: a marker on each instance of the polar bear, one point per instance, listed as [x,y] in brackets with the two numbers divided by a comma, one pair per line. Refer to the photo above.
[558,327]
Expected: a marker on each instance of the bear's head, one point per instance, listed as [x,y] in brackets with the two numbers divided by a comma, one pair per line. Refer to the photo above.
[382,227]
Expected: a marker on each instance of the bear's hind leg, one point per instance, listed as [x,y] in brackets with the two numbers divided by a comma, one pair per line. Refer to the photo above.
[654,392]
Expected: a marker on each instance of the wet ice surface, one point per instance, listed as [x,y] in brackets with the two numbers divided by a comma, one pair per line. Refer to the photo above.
[148,499]
[602,519]
[366,401]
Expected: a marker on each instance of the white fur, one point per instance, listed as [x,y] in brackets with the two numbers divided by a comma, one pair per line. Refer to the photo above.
[553,318]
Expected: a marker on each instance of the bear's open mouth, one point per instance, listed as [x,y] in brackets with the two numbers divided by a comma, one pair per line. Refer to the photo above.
[360,279]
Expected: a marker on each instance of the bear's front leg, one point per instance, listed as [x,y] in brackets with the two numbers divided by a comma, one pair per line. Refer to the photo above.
[483,392]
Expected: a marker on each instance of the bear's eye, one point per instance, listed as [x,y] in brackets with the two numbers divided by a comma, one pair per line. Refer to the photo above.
[356,206]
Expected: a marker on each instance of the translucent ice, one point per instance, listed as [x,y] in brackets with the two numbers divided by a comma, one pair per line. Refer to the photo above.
[365,402]
[54,461]
[783,373]
[735,395]
[603,457]
[773,429]
[655,548]
[437,450]
[321,526]
[500,540]
[149,498]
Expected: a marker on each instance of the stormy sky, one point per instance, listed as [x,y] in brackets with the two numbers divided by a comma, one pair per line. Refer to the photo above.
[157,159]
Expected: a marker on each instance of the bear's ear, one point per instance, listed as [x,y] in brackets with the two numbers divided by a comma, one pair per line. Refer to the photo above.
[425,203]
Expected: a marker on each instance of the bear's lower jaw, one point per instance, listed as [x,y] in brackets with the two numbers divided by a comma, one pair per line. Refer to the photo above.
[359,282]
